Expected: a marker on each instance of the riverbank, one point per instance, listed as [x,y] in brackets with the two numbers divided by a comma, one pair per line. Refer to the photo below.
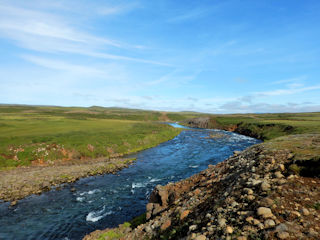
[269,191]
[261,126]
[20,182]
[43,147]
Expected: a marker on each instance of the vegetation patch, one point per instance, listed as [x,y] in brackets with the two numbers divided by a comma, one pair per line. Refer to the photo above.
[45,136]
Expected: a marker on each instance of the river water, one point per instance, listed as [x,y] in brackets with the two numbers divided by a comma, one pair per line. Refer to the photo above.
[106,201]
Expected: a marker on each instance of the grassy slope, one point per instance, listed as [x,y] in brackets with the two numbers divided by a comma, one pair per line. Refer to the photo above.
[42,135]
[296,132]
[268,126]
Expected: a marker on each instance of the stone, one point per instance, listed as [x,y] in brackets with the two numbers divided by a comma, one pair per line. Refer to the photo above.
[282,181]
[249,219]
[278,174]
[265,186]
[249,191]
[148,229]
[250,197]
[264,212]
[193,227]
[256,222]
[166,225]
[295,213]
[281,228]
[290,177]
[282,167]
[184,214]
[266,202]
[229,230]
[256,182]
[283,235]
[236,153]
[234,204]
[222,222]
[242,238]
[305,211]
[201,237]
[269,223]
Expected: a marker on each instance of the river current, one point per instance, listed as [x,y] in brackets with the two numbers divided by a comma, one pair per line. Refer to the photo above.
[106,201]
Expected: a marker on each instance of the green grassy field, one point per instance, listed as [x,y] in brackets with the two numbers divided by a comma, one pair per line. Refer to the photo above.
[43,135]
[268,126]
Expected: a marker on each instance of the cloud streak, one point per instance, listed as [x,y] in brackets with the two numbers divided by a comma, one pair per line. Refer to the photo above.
[45,32]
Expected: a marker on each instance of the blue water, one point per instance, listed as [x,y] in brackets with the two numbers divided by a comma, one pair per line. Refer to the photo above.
[106,201]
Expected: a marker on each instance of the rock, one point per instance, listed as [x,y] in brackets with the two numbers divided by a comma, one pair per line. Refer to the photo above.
[13,203]
[265,186]
[278,174]
[312,233]
[201,237]
[234,204]
[249,191]
[166,224]
[283,235]
[281,228]
[250,197]
[282,181]
[236,153]
[281,166]
[249,219]
[291,177]
[295,213]
[256,182]
[256,222]
[264,212]
[266,202]
[305,211]
[269,223]
[229,230]
[148,229]
[242,238]
[184,214]
[193,227]
[222,222]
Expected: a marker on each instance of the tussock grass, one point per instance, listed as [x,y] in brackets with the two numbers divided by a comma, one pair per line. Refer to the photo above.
[43,135]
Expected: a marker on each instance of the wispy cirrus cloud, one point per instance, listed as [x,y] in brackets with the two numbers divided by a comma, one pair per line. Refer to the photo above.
[290,80]
[287,91]
[63,66]
[192,14]
[50,33]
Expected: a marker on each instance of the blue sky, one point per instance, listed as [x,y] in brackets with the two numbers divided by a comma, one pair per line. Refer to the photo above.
[208,56]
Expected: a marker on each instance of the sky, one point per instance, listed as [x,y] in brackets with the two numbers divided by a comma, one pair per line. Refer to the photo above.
[230,56]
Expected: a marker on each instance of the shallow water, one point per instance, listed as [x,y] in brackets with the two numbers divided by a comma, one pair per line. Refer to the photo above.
[106,201]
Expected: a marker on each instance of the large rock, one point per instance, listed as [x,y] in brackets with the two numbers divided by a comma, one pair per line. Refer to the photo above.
[264,212]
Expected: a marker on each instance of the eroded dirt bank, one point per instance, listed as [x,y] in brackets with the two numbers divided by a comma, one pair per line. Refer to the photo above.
[255,194]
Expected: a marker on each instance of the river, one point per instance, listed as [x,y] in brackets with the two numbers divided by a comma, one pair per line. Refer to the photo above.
[106,201]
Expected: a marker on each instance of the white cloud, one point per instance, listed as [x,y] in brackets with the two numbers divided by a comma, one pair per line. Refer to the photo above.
[287,91]
[193,14]
[65,66]
[290,80]
[46,32]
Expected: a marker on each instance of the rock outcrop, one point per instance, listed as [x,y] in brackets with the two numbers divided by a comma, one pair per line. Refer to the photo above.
[251,195]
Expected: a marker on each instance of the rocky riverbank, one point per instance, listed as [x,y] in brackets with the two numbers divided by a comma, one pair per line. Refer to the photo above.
[21,182]
[255,194]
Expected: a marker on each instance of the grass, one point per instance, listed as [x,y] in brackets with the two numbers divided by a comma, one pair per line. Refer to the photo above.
[268,126]
[43,135]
